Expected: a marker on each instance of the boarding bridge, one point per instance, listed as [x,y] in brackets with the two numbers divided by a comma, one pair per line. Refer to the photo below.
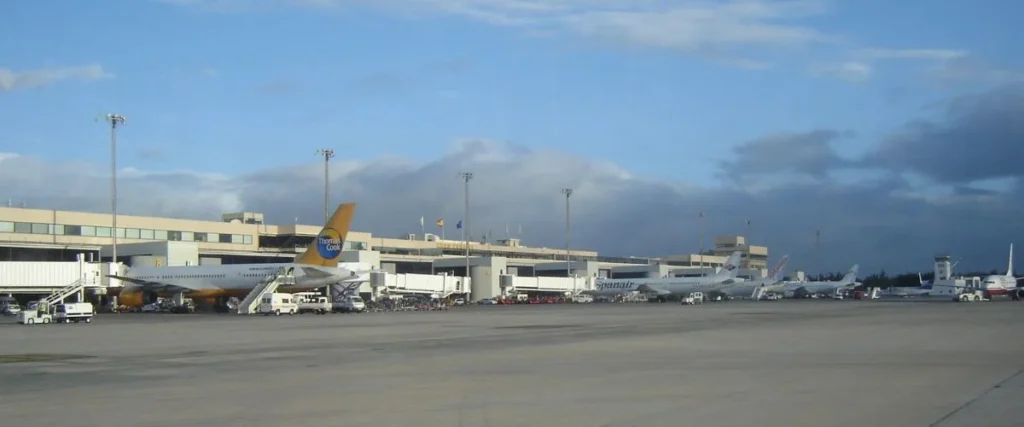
[266,286]
[58,296]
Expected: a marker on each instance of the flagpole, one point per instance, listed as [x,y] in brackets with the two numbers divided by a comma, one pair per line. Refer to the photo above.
[423,229]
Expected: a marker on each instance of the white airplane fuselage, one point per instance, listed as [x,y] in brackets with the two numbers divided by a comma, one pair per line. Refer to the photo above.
[212,282]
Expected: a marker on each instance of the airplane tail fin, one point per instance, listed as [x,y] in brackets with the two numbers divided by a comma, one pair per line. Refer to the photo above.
[731,267]
[776,273]
[326,248]
[851,276]
[1009,266]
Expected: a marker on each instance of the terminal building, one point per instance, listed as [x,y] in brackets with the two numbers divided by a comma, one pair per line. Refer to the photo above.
[244,237]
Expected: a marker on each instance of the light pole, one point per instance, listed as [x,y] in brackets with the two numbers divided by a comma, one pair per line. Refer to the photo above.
[817,250]
[115,120]
[568,236]
[466,176]
[701,220]
[746,244]
[327,154]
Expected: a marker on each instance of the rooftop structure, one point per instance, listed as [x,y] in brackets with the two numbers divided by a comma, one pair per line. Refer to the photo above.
[52,235]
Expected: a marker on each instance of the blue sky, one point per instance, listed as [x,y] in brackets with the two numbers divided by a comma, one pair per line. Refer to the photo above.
[216,86]
[658,90]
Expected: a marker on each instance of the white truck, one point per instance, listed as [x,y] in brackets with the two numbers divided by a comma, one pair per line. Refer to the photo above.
[969,295]
[314,304]
[74,312]
[350,304]
[694,298]
[278,303]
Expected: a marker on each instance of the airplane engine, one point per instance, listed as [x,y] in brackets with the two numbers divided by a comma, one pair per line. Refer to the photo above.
[1017,294]
[135,297]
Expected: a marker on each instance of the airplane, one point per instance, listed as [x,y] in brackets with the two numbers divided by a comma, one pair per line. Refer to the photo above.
[663,287]
[772,283]
[923,289]
[214,285]
[824,287]
[1004,284]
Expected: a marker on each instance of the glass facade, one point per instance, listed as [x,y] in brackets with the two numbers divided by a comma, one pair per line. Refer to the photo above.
[122,233]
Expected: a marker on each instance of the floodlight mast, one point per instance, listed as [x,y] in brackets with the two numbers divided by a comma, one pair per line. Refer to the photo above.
[115,120]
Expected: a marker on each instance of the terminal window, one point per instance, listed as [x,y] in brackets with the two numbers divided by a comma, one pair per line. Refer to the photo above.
[6,227]
[146,234]
[102,231]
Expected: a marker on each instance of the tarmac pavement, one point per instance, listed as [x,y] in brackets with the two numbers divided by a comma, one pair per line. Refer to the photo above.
[783,363]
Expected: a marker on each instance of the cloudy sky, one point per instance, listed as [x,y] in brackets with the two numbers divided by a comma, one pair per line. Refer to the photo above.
[895,128]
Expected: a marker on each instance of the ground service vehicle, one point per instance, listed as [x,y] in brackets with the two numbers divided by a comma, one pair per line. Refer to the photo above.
[350,304]
[74,312]
[278,303]
[39,313]
[315,304]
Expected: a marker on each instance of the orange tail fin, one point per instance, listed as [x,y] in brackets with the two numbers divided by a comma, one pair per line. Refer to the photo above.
[326,248]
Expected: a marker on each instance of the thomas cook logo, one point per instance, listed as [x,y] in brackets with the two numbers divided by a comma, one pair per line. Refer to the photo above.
[328,244]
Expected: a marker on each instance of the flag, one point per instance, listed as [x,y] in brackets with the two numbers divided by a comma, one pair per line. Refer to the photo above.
[459,225]
[440,223]
[702,214]
[748,222]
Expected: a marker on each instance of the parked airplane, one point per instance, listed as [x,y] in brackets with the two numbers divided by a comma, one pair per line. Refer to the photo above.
[772,283]
[1004,284]
[923,289]
[824,287]
[317,267]
[673,285]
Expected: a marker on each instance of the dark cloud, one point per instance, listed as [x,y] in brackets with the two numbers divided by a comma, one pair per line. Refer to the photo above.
[980,136]
[883,222]
[808,154]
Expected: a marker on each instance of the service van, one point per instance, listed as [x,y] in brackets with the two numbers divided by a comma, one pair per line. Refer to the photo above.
[74,312]
[350,304]
[277,304]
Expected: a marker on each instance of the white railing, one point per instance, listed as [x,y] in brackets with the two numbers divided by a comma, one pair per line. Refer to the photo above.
[59,295]
[266,286]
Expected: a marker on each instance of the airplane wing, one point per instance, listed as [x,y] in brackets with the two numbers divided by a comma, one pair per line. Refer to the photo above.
[148,285]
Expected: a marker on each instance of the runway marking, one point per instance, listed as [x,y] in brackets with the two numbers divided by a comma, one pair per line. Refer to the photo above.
[976,398]
[38,357]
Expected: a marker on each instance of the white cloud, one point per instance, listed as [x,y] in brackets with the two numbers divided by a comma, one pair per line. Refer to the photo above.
[725,31]
[11,80]
[851,71]
[915,54]
[614,210]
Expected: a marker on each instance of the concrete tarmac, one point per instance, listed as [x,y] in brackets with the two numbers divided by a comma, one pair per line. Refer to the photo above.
[784,363]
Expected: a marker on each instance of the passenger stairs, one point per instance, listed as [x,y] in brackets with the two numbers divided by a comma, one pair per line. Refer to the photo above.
[267,286]
[59,295]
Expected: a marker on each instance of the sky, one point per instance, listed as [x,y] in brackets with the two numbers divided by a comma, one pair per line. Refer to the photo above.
[893,129]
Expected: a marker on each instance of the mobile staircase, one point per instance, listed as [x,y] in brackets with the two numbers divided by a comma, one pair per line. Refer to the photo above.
[269,284]
[58,296]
